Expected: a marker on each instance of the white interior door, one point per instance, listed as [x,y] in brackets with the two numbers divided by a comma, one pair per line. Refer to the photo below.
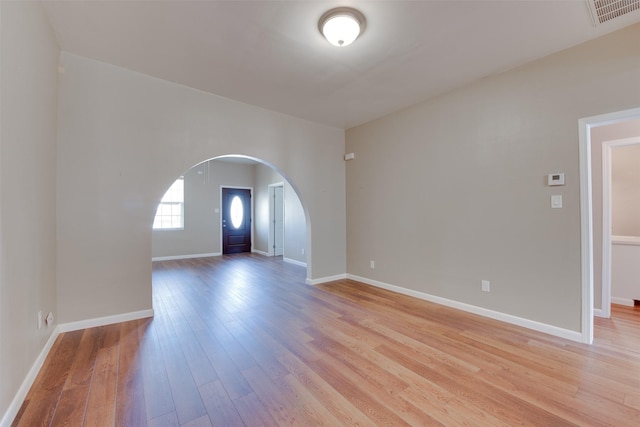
[276,220]
[278,208]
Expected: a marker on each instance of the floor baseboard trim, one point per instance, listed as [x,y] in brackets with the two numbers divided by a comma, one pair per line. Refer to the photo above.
[259,252]
[622,301]
[496,315]
[174,257]
[294,261]
[325,279]
[16,403]
[102,321]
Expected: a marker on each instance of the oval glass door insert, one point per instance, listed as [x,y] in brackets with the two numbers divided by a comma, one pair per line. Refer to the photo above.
[237,212]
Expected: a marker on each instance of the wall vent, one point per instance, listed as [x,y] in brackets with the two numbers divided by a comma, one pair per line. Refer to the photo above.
[606,10]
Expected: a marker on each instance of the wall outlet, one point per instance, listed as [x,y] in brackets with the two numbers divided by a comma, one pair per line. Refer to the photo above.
[49,319]
[40,319]
[485,286]
[372,264]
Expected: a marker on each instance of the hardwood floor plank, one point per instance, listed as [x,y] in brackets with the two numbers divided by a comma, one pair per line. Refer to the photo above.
[226,370]
[253,412]
[220,408]
[500,404]
[203,421]
[130,402]
[262,353]
[85,358]
[158,396]
[102,396]
[340,379]
[167,420]
[242,340]
[186,396]
[42,400]
[332,400]
[71,407]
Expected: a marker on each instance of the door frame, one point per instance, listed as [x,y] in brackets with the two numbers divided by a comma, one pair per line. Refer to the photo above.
[586,206]
[271,187]
[607,217]
[222,213]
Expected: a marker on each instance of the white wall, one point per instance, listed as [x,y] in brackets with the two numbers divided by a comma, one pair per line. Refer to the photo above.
[201,233]
[124,137]
[625,190]
[27,190]
[452,191]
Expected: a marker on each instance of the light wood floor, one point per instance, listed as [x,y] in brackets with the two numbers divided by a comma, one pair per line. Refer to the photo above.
[241,340]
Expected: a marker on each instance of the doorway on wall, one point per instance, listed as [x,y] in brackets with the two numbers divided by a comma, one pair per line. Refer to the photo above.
[236,220]
[608,239]
[276,219]
[585,125]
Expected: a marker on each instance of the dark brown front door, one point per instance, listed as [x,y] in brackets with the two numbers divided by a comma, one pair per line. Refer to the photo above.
[236,220]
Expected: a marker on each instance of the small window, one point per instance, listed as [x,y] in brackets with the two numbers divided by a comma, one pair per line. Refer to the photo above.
[237,212]
[170,213]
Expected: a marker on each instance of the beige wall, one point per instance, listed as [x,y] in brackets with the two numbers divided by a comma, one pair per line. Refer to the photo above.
[625,190]
[124,137]
[452,191]
[600,134]
[201,233]
[27,190]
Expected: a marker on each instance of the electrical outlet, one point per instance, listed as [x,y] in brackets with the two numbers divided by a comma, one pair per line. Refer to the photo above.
[40,319]
[49,319]
[485,286]
[372,264]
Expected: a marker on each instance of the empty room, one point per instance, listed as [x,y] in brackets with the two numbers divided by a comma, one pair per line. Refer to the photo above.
[248,213]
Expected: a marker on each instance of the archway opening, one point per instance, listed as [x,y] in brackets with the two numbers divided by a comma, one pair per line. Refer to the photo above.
[199,231]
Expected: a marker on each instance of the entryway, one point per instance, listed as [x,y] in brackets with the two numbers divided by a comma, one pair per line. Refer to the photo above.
[236,220]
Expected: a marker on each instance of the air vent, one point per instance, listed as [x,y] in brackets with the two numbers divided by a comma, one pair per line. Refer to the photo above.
[606,10]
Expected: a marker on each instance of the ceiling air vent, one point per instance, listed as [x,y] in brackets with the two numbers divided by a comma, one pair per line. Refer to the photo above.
[606,10]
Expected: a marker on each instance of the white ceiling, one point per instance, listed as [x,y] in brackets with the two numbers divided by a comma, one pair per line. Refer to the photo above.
[271,54]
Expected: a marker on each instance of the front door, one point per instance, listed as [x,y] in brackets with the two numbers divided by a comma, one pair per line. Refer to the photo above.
[236,220]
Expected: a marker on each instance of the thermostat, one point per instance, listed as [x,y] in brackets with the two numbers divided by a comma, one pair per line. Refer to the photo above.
[555,179]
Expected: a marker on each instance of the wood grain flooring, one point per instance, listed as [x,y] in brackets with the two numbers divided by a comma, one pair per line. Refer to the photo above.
[241,341]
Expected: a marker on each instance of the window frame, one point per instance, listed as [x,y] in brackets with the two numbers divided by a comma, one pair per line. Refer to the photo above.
[173,198]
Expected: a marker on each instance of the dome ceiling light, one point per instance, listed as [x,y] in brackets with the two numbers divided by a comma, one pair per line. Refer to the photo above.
[342,25]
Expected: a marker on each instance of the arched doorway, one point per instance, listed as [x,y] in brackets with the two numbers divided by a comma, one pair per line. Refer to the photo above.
[199,232]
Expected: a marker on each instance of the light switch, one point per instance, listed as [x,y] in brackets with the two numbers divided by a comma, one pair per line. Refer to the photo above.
[556,201]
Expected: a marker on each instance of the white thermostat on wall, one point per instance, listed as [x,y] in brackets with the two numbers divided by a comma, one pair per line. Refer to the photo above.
[555,179]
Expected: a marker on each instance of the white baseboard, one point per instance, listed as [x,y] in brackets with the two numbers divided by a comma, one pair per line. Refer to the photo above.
[325,279]
[293,261]
[622,301]
[173,257]
[102,321]
[598,312]
[256,251]
[16,403]
[496,315]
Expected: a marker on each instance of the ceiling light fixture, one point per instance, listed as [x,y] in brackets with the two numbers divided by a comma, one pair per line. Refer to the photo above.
[342,25]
